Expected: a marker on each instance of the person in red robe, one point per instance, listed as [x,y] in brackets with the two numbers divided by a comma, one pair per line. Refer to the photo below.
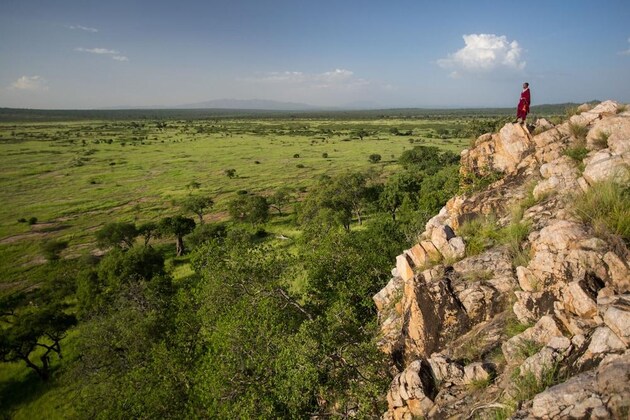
[523,105]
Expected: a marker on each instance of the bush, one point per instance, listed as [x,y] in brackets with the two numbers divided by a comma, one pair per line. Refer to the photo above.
[297,155]
[578,131]
[374,158]
[299,165]
[606,206]
[230,173]
[32,220]
[478,234]
[578,152]
[601,140]
[52,248]
[325,155]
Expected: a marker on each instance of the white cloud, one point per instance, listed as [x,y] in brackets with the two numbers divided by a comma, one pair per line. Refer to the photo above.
[30,83]
[82,28]
[336,78]
[96,50]
[484,53]
[104,51]
[625,52]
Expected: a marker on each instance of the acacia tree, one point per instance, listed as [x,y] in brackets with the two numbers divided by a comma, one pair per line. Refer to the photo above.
[280,198]
[117,234]
[177,226]
[31,329]
[249,208]
[196,204]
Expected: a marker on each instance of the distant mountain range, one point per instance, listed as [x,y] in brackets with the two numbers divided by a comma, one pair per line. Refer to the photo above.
[257,104]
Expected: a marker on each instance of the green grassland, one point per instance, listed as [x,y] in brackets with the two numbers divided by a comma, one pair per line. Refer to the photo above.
[76,176]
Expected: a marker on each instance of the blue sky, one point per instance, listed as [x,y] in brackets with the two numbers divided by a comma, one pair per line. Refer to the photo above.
[89,54]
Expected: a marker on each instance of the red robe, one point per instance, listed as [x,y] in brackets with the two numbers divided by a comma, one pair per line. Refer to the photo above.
[523,105]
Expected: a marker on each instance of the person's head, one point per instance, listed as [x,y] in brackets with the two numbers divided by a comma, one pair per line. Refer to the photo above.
[525,85]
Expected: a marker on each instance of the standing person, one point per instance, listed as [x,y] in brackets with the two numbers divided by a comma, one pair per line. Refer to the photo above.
[523,105]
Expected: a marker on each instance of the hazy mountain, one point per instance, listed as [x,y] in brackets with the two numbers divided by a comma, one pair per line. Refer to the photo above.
[250,104]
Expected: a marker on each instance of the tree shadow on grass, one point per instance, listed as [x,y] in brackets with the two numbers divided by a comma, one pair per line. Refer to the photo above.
[15,393]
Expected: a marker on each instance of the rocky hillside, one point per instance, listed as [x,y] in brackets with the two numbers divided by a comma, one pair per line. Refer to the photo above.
[515,302]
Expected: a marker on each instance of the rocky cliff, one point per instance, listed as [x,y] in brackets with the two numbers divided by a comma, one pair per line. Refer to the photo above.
[511,304]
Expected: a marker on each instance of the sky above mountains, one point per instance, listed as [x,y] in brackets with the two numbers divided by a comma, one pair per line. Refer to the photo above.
[89,54]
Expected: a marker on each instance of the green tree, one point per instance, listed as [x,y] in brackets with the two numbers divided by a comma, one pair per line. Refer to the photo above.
[33,328]
[249,208]
[148,230]
[374,158]
[196,204]
[280,198]
[399,186]
[116,234]
[52,248]
[177,226]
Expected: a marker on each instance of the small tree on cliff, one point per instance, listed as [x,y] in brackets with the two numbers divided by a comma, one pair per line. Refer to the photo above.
[177,226]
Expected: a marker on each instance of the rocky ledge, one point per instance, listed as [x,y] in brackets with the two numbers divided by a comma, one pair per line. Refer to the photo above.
[529,325]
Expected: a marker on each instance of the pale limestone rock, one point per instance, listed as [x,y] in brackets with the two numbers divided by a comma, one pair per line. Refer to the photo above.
[577,301]
[526,279]
[457,248]
[418,255]
[559,236]
[512,144]
[544,330]
[583,184]
[617,129]
[409,390]
[541,363]
[597,394]
[445,371]
[403,267]
[604,340]
[476,372]
[604,165]
[542,124]
[387,294]
[432,252]
[618,320]
[584,108]
[618,271]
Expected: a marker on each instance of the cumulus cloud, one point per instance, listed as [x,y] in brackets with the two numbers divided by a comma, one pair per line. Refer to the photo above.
[104,51]
[82,28]
[484,53]
[30,83]
[625,52]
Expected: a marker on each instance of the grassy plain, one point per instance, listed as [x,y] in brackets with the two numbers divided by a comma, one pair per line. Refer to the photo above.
[76,176]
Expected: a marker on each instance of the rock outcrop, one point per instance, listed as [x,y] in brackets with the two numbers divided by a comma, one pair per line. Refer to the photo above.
[532,327]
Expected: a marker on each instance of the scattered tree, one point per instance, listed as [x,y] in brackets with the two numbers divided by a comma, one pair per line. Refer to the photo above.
[177,226]
[374,158]
[117,234]
[196,204]
[249,208]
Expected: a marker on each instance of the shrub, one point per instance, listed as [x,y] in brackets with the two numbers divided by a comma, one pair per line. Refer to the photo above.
[325,155]
[478,234]
[601,140]
[577,152]
[374,158]
[22,220]
[299,165]
[52,248]
[578,131]
[230,173]
[471,182]
[32,220]
[297,155]
[606,206]
[622,108]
